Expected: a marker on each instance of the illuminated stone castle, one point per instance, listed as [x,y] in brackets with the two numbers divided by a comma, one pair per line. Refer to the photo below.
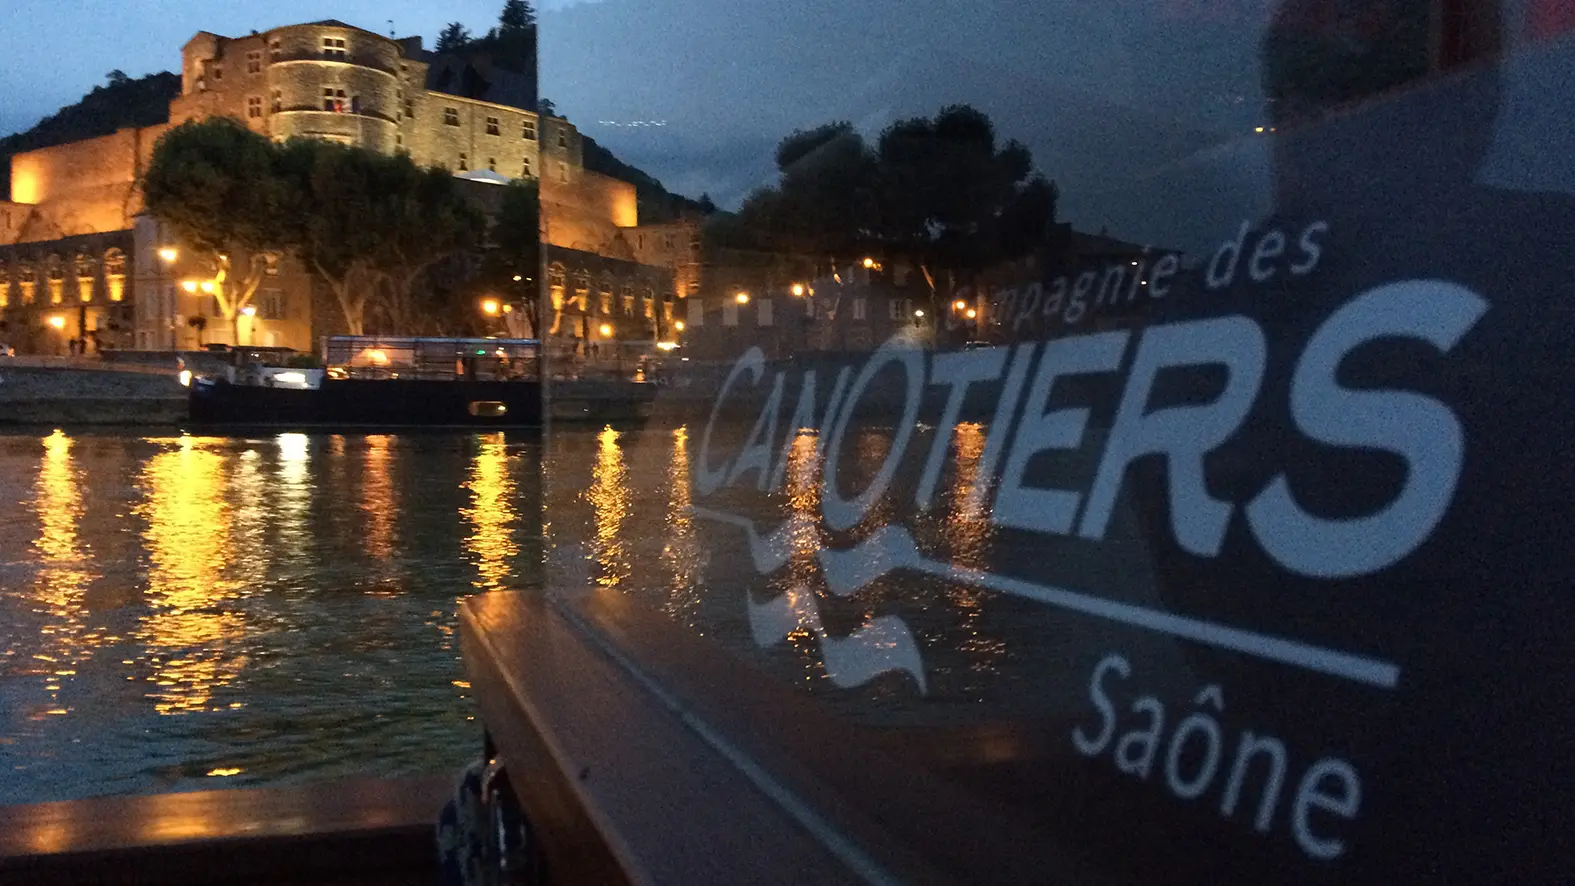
[78,259]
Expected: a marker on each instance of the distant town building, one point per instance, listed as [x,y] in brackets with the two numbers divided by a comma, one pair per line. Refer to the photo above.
[72,204]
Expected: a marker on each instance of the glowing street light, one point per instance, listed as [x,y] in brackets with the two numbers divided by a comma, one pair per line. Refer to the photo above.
[679,325]
[249,310]
[606,330]
[742,298]
[168,254]
[189,285]
[57,321]
[919,313]
[490,307]
[207,286]
[798,289]
[869,263]
[960,305]
[518,278]
[972,313]
[508,309]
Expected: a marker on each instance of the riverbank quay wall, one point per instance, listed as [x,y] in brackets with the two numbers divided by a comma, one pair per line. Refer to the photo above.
[60,391]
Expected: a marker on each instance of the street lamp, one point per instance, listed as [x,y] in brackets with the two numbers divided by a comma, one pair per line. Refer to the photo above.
[960,305]
[678,325]
[919,313]
[490,307]
[207,286]
[606,330]
[249,310]
[57,321]
[742,298]
[168,254]
[972,313]
[189,285]
[798,289]
[518,278]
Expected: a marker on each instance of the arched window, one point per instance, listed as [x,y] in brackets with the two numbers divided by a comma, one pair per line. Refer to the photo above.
[582,291]
[115,273]
[626,295]
[29,280]
[605,297]
[555,278]
[648,298]
[84,266]
[55,269]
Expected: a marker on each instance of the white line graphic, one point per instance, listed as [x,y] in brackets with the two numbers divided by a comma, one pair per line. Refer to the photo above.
[892,548]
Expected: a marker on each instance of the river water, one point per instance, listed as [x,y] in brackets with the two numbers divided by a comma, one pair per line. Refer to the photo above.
[182,612]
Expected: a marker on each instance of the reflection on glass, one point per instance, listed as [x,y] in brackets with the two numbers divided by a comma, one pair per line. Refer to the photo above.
[681,552]
[609,498]
[491,515]
[967,529]
[803,487]
[188,537]
[377,499]
[61,580]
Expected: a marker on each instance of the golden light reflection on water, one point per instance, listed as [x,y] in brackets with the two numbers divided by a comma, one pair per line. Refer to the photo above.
[968,530]
[63,579]
[377,499]
[491,515]
[609,498]
[189,543]
[682,551]
[293,501]
[803,491]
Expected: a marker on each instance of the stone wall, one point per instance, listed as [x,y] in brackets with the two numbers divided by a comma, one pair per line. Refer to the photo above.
[58,395]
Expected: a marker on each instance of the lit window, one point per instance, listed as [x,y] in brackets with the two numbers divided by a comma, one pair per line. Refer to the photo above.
[254,62]
[334,100]
[492,126]
[451,116]
[334,47]
[271,265]
[254,107]
[464,161]
[529,130]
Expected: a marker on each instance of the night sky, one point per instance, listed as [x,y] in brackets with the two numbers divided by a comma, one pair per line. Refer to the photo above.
[698,92]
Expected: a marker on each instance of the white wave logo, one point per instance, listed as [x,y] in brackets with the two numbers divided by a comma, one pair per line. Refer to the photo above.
[882,646]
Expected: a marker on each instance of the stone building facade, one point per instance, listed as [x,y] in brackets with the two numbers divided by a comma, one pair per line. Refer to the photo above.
[70,289]
[326,80]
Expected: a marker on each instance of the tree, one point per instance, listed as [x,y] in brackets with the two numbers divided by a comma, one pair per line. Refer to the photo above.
[117,77]
[371,225]
[217,185]
[516,240]
[938,193]
[453,38]
[547,108]
[517,17]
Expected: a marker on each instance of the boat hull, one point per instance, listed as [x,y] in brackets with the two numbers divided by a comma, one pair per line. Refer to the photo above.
[370,403]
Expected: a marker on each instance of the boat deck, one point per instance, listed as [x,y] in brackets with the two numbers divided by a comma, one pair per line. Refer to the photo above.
[326,834]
